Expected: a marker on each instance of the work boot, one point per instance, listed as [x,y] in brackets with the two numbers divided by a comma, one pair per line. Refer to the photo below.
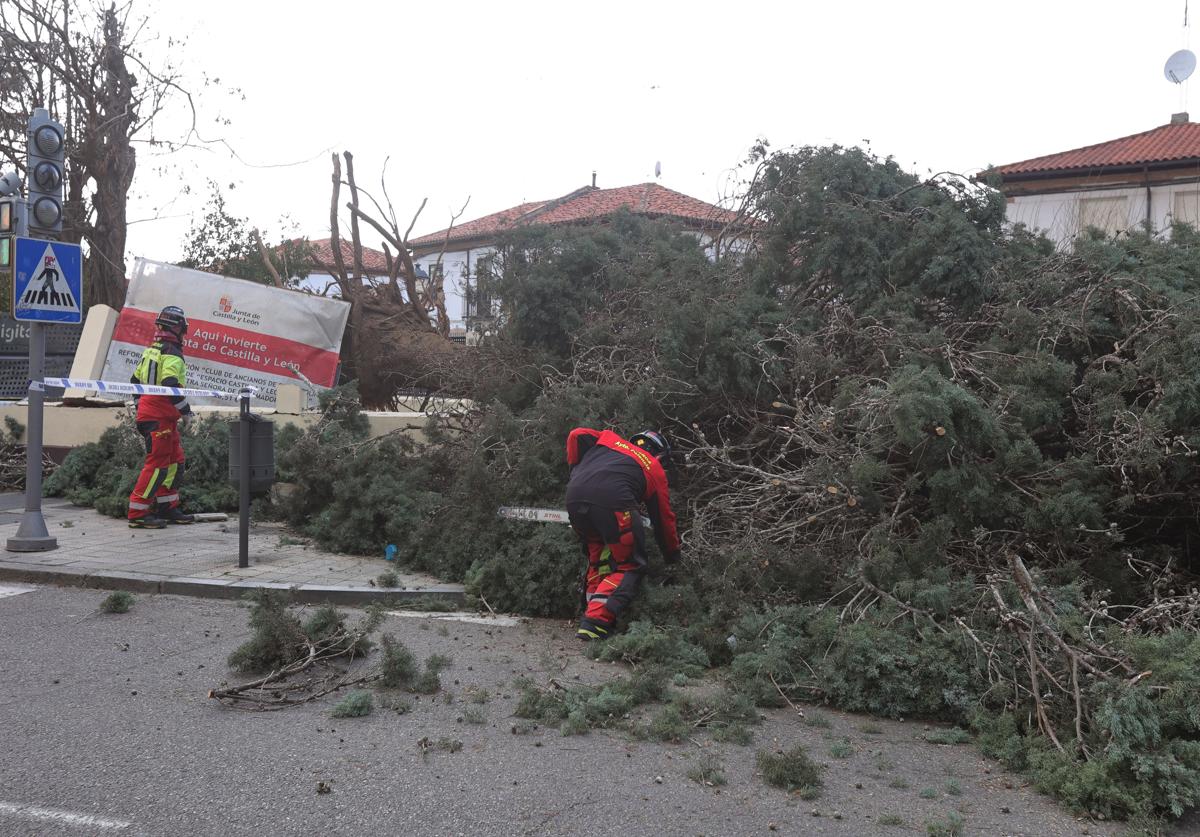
[174,515]
[148,521]
[589,630]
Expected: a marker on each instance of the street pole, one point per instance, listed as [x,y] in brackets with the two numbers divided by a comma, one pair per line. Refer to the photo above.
[244,481]
[32,535]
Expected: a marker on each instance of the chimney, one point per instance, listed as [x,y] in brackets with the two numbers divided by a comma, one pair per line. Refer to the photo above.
[1179,118]
[594,171]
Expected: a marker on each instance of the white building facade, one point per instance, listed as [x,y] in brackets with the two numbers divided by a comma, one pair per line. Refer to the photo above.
[1147,179]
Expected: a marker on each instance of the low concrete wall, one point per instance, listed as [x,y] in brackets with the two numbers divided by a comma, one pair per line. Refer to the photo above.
[70,427]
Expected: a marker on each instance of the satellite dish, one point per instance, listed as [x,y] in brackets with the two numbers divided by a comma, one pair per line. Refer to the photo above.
[1179,66]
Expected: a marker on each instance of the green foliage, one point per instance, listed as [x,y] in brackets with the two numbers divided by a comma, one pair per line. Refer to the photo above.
[928,793]
[952,826]
[645,643]
[398,668]
[891,819]
[430,680]
[707,771]
[725,714]
[791,770]
[354,705]
[1145,745]
[874,665]
[581,708]
[327,629]
[388,579]
[102,474]
[117,602]
[841,749]
[277,636]
[948,736]
[874,407]
[223,243]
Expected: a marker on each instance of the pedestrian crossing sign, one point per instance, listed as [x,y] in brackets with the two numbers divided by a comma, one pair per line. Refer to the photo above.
[47,282]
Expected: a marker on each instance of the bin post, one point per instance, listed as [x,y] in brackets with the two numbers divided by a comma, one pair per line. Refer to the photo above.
[244,419]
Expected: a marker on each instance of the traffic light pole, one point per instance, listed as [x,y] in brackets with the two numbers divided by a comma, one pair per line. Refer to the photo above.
[45,158]
[32,535]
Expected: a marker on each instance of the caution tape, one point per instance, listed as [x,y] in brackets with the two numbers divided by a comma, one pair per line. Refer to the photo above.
[117,388]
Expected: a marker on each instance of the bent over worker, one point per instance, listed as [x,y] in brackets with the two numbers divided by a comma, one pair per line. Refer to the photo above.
[155,499]
[610,480]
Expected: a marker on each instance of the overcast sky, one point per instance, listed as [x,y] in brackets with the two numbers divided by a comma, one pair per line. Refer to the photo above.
[508,102]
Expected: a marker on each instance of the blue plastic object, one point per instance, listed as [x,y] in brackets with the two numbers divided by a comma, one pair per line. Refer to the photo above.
[389,554]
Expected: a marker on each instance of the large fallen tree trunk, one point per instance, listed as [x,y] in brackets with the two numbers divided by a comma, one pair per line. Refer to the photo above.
[392,343]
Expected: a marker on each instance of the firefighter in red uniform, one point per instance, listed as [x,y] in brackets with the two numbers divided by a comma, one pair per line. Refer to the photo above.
[610,479]
[155,499]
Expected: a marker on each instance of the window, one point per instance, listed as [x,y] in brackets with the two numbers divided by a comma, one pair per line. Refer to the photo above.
[1187,208]
[1108,214]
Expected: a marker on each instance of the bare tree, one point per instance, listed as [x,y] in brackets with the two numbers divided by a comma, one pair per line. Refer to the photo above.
[91,74]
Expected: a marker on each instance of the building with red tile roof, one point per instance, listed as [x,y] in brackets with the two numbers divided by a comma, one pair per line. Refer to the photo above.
[1149,178]
[584,206]
[456,252]
[374,261]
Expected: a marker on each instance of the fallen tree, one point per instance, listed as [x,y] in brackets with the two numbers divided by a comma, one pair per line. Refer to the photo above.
[933,467]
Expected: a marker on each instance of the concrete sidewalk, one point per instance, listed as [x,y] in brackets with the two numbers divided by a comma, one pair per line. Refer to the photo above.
[199,560]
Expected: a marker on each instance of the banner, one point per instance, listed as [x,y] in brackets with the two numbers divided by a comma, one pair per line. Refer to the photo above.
[239,333]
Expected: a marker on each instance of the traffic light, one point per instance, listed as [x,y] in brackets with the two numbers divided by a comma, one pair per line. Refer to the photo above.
[44,167]
[10,227]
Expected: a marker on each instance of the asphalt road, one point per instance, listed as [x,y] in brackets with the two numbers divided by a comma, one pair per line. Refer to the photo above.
[107,729]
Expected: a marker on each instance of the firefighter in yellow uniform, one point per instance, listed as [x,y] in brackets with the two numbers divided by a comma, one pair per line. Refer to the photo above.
[155,499]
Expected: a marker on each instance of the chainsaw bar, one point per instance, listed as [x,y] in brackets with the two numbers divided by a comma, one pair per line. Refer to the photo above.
[542,515]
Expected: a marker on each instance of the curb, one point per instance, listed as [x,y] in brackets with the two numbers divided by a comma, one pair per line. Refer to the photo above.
[207,588]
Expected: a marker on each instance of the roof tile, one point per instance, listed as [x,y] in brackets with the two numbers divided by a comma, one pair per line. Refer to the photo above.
[589,204]
[374,261]
[1167,143]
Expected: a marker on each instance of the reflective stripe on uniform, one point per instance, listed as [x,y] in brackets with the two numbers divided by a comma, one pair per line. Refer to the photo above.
[168,498]
[152,486]
[140,506]
[172,470]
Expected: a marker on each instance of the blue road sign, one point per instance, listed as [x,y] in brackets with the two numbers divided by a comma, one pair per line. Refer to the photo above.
[47,282]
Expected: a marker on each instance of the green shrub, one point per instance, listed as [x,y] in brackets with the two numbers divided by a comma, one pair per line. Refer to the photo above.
[841,749]
[354,705]
[948,736]
[118,602]
[644,643]
[398,668]
[707,771]
[791,770]
[102,474]
[277,637]
[581,708]
[952,826]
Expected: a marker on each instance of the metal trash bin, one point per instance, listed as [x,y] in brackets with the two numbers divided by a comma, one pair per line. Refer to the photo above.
[262,455]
